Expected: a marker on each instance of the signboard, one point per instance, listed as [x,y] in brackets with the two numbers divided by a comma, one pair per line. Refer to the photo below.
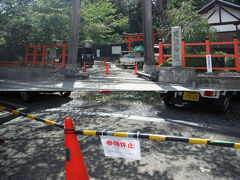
[113,66]
[98,53]
[127,148]
[176,46]
[209,63]
[116,49]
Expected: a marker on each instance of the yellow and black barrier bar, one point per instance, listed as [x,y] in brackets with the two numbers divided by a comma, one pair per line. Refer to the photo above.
[160,138]
[19,113]
[131,135]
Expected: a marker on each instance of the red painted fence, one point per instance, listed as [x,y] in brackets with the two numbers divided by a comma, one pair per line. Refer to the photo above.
[10,63]
[163,57]
[37,55]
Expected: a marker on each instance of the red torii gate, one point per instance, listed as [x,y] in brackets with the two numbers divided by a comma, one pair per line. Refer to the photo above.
[138,37]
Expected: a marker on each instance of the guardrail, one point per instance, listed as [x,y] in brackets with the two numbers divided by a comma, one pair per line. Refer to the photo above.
[154,137]
[235,43]
[39,55]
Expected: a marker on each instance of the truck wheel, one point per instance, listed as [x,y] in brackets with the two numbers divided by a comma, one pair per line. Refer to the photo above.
[168,100]
[224,104]
[65,93]
[26,96]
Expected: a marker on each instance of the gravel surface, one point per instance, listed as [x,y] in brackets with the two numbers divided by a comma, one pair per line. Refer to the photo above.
[36,151]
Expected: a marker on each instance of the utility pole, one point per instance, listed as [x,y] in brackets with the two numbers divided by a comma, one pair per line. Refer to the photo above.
[148,37]
[72,67]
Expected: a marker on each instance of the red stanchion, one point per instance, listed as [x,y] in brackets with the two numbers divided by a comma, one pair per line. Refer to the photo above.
[104,63]
[107,70]
[75,167]
[84,67]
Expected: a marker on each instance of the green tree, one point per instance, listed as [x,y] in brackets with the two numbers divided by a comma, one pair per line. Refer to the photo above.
[31,21]
[101,22]
[195,28]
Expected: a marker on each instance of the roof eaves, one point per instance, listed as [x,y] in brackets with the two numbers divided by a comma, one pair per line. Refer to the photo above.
[206,8]
[201,11]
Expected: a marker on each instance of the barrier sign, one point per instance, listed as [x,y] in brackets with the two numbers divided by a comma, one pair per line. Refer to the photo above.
[209,63]
[127,148]
[98,53]
[113,66]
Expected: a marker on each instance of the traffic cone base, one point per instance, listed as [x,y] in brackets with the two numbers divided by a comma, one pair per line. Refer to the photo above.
[104,63]
[84,68]
[136,68]
[75,167]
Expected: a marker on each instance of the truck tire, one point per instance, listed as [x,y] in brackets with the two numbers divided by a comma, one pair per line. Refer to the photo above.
[168,100]
[224,104]
[65,93]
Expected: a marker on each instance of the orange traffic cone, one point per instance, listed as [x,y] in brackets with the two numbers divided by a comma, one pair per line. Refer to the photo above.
[136,68]
[107,70]
[84,68]
[75,167]
[104,64]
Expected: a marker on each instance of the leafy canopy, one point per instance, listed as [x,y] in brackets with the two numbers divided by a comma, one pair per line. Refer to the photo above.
[195,28]
[101,22]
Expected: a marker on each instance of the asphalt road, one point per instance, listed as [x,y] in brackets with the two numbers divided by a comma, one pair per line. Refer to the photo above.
[36,151]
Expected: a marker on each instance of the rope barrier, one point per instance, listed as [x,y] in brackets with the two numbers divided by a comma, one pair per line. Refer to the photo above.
[154,137]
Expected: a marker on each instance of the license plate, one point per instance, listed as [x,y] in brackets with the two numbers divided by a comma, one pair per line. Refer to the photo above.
[191,96]
[88,56]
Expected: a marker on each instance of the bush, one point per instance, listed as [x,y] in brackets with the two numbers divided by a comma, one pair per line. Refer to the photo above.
[216,62]
[196,62]
[230,62]
[168,63]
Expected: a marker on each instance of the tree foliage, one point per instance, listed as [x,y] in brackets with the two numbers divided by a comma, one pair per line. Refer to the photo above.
[195,28]
[100,22]
[48,21]
[104,21]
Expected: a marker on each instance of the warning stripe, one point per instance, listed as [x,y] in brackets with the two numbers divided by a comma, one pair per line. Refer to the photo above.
[15,112]
[132,135]
[30,116]
[198,141]
[2,108]
[156,137]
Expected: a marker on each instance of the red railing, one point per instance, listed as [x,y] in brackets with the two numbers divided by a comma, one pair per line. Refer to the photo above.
[163,57]
[37,55]
[10,63]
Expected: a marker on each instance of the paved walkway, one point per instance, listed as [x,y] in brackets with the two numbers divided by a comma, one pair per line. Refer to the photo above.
[118,80]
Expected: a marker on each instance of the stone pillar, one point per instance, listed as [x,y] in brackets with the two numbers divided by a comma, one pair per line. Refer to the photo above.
[148,37]
[176,46]
[74,39]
